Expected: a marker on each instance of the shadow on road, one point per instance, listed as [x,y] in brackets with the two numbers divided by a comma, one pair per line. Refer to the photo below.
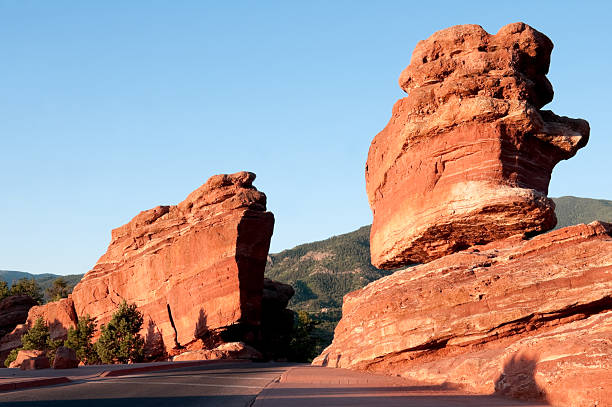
[134,402]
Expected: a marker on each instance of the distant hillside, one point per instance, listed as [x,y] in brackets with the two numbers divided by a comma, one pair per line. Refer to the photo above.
[571,210]
[43,280]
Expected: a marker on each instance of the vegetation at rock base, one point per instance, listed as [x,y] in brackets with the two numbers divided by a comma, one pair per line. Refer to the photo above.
[120,341]
[11,357]
[80,340]
[36,338]
[58,290]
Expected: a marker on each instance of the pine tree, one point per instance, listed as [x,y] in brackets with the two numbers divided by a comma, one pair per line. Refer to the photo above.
[120,341]
[79,339]
[58,290]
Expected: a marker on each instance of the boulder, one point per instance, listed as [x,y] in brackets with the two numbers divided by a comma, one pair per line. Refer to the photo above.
[229,350]
[14,311]
[35,360]
[65,358]
[466,157]
[523,317]
[39,362]
[194,269]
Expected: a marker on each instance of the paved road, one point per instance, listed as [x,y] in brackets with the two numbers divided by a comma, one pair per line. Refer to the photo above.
[231,384]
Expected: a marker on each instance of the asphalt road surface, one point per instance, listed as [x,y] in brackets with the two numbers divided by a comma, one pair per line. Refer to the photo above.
[228,385]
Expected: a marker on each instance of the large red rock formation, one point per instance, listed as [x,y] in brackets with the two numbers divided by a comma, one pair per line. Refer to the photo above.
[192,269]
[523,317]
[467,157]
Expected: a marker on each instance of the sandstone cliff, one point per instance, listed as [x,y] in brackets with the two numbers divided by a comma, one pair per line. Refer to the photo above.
[467,157]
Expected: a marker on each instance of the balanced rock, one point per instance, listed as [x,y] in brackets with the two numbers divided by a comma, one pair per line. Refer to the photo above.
[194,269]
[467,157]
[527,318]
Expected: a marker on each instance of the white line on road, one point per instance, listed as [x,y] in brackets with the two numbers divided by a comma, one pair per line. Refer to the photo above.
[175,384]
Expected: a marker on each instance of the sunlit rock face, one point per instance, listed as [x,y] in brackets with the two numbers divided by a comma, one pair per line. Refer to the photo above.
[467,156]
[194,269]
[526,318]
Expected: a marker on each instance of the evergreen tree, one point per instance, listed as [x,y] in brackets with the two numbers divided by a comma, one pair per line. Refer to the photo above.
[120,341]
[37,337]
[58,290]
[29,287]
[79,339]
[4,290]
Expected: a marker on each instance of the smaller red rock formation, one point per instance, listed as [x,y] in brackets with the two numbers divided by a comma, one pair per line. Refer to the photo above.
[467,157]
[65,358]
[58,315]
[521,317]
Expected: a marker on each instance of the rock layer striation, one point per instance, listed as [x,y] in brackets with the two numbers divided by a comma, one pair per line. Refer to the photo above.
[467,156]
[527,318]
[194,269]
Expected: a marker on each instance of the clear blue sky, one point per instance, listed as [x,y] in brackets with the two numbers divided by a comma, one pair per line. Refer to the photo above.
[112,107]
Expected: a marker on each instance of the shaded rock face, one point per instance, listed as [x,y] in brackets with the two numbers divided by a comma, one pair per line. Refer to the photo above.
[467,157]
[30,360]
[65,358]
[193,269]
[523,318]
[14,311]
[59,316]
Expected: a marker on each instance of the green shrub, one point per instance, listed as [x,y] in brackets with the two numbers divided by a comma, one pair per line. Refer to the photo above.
[11,357]
[79,339]
[120,341]
[37,338]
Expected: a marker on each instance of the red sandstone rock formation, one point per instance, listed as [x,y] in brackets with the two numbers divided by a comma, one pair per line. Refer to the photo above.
[193,269]
[466,158]
[522,317]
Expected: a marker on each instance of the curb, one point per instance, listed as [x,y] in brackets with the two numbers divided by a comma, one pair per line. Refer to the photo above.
[174,365]
[260,399]
[26,384]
